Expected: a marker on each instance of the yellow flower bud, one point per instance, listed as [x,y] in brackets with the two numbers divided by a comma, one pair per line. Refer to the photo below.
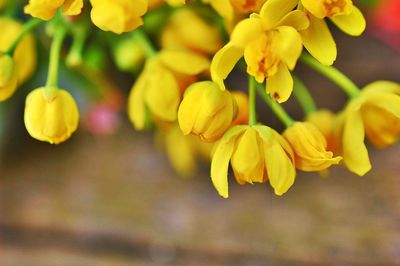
[309,147]
[206,111]
[51,119]
[8,77]
[195,34]
[118,16]
[46,10]
[25,54]
[129,55]
[257,154]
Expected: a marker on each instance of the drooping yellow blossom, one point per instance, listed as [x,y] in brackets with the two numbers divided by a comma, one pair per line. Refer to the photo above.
[228,8]
[317,38]
[24,57]
[118,16]
[51,119]
[270,44]
[206,111]
[375,113]
[159,88]
[242,101]
[46,9]
[194,34]
[8,77]
[309,147]
[257,154]
[183,151]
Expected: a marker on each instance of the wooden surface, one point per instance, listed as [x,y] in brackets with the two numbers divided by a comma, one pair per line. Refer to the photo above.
[115,201]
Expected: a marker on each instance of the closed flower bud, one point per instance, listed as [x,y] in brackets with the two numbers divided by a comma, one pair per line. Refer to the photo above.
[46,10]
[206,111]
[129,55]
[309,147]
[51,119]
[118,16]
[8,77]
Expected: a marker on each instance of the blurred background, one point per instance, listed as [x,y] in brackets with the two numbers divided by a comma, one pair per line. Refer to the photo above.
[109,196]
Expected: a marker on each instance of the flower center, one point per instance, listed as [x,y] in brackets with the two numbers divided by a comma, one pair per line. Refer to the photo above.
[261,56]
[337,7]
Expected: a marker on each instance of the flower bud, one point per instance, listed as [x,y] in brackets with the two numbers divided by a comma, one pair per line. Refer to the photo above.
[51,119]
[129,55]
[8,77]
[309,147]
[206,111]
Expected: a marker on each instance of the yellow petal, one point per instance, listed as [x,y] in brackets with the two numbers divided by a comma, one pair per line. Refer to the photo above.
[223,63]
[280,169]
[316,7]
[355,153]
[280,85]
[223,7]
[318,40]
[184,62]
[274,10]
[246,31]
[72,7]
[380,86]
[296,19]
[162,94]
[352,24]
[220,160]
[290,45]
[386,101]
[8,90]
[136,104]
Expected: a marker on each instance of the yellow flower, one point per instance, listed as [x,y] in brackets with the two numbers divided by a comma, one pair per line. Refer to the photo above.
[8,77]
[309,147]
[206,111]
[228,8]
[118,16]
[24,57]
[242,101]
[51,119]
[270,44]
[194,34]
[317,38]
[45,9]
[159,88]
[257,154]
[376,113]
[183,151]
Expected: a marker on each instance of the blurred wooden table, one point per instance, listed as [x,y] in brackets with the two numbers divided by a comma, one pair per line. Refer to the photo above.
[116,201]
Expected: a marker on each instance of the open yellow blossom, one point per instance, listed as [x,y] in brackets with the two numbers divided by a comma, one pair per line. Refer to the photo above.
[118,16]
[317,38]
[375,113]
[271,46]
[45,9]
[257,154]
[159,88]
[194,34]
[309,147]
[228,8]
[183,151]
[23,59]
[51,119]
[206,111]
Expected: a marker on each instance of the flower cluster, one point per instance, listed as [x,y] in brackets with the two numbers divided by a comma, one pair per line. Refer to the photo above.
[180,54]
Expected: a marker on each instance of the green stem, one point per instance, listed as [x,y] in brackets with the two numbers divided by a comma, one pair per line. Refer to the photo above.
[28,26]
[145,43]
[276,107]
[74,57]
[252,102]
[332,73]
[304,97]
[55,50]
